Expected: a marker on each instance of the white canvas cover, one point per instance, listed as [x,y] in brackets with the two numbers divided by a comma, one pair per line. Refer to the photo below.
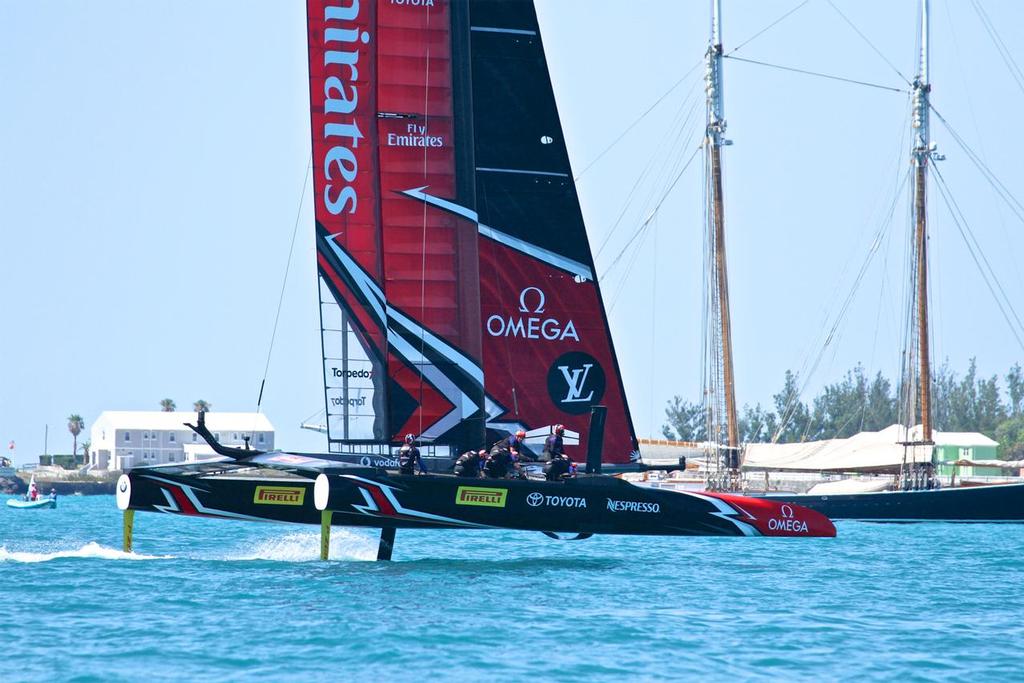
[865,452]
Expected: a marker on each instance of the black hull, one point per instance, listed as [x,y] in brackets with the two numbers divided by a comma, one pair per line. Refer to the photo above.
[988,503]
[372,498]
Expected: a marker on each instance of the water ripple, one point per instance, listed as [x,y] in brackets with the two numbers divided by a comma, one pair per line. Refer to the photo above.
[237,601]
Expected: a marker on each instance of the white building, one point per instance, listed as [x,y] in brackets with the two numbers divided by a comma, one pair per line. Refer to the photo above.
[122,439]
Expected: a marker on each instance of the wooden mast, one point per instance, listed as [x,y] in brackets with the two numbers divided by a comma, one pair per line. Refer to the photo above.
[923,150]
[714,140]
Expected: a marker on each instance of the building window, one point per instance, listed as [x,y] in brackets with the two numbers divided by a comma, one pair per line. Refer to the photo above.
[261,437]
[194,439]
[170,437]
[127,436]
[216,435]
[234,437]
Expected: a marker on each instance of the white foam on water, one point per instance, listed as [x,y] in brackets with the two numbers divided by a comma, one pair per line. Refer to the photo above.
[90,550]
[304,546]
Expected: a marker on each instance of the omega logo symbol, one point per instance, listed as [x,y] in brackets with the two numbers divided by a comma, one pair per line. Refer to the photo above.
[787,512]
[524,308]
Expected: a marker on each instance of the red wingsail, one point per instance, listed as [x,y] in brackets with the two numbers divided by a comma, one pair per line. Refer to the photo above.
[457,284]
[399,291]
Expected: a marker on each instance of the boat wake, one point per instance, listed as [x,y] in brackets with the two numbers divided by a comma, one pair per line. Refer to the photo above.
[90,550]
[305,547]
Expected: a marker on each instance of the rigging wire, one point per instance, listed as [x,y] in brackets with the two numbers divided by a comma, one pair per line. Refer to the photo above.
[675,85]
[1004,193]
[649,167]
[766,28]
[322,411]
[787,414]
[670,168]
[870,44]
[833,329]
[284,283]
[643,226]
[978,135]
[654,326]
[636,121]
[423,239]
[818,74]
[980,260]
[997,41]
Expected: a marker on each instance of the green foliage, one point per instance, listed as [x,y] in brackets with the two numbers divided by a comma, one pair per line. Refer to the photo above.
[686,421]
[757,424]
[1010,435]
[794,417]
[75,425]
[167,405]
[1015,387]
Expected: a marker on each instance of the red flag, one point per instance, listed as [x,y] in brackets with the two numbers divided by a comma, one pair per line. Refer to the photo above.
[10,446]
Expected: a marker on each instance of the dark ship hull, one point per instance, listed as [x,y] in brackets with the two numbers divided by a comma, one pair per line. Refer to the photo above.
[997,503]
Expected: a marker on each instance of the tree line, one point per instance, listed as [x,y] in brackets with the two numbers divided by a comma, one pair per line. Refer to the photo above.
[857,403]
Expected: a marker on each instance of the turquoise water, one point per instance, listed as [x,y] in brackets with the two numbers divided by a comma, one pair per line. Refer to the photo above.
[219,600]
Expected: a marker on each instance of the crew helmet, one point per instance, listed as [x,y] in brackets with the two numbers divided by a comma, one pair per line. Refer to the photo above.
[520,434]
[559,429]
[409,438]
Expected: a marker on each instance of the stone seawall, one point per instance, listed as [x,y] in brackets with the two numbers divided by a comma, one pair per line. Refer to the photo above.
[64,487]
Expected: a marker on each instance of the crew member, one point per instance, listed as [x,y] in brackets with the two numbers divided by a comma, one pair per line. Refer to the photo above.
[33,492]
[553,445]
[470,464]
[409,457]
[504,456]
[559,468]
[513,443]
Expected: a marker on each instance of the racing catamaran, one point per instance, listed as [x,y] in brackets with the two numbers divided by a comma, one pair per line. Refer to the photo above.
[458,299]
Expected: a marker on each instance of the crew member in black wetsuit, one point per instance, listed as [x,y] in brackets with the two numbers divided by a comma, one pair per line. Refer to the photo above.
[558,465]
[559,468]
[504,456]
[470,464]
[409,457]
[553,445]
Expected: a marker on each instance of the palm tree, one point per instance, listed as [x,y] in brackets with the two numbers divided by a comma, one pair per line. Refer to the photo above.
[167,405]
[75,425]
[86,445]
[201,406]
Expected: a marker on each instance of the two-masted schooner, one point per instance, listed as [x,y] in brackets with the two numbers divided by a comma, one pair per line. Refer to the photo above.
[915,492]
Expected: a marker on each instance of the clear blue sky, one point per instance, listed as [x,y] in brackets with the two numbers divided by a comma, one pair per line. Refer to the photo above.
[152,157]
